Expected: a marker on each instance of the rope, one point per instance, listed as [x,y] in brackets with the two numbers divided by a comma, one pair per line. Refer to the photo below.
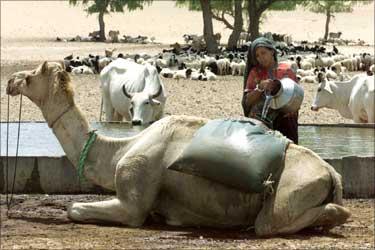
[101,110]
[9,201]
[268,186]
[7,156]
[84,153]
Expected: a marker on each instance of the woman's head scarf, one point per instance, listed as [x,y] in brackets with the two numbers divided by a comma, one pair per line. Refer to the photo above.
[260,42]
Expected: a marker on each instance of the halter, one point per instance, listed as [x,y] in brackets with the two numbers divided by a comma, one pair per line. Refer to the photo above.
[59,117]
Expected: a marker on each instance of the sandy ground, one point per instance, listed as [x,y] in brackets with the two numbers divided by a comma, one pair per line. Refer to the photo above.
[39,222]
[27,38]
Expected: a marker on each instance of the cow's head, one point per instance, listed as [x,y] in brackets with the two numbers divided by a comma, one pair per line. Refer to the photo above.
[143,106]
[323,96]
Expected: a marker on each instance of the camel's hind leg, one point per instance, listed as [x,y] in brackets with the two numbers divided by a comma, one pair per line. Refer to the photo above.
[298,201]
[326,216]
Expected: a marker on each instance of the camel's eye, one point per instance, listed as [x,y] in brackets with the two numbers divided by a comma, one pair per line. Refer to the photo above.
[319,89]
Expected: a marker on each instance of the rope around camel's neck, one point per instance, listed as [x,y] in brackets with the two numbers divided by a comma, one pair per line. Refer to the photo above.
[72,131]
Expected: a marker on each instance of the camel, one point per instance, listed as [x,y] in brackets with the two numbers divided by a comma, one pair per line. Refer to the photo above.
[307,194]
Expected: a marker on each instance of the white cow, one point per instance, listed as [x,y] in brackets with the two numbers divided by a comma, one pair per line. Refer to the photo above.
[132,91]
[354,99]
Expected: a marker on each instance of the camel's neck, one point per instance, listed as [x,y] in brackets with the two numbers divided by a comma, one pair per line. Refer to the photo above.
[71,130]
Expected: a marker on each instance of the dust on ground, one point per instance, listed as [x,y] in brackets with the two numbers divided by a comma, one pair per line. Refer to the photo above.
[40,222]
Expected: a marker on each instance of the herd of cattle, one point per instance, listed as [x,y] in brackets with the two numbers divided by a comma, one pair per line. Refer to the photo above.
[132,87]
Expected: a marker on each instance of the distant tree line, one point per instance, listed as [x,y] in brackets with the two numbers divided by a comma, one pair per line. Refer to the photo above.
[237,15]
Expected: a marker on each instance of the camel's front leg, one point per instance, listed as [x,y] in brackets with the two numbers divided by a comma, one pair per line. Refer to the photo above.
[138,181]
[137,184]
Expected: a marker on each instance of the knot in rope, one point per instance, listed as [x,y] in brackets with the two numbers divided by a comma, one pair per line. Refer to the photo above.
[268,184]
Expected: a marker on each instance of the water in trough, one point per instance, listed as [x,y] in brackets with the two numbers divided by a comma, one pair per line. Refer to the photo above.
[336,141]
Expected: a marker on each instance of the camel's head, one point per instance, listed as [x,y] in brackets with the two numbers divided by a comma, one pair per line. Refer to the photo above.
[42,84]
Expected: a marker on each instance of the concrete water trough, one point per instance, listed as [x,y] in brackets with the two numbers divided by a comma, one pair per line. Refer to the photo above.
[42,166]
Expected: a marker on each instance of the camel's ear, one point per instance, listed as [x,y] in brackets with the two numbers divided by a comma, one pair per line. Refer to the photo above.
[62,77]
[44,67]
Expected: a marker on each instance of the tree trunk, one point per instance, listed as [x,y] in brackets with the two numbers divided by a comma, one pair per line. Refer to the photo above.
[328,19]
[238,23]
[254,16]
[101,26]
[208,31]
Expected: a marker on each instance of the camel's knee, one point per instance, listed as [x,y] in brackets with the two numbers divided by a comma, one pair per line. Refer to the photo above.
[326,216]
[332,216]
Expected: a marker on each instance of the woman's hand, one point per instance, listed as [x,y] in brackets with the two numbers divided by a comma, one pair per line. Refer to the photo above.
[270,86]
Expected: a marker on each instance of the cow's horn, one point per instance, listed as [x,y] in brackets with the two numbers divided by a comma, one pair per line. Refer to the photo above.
[157,93]
[125,92]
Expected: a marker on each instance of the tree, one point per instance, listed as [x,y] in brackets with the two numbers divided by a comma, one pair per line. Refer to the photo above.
[254,13]
[256,8]
[208,31]
[238,24]
[328,7]
[232,8]
[103,7]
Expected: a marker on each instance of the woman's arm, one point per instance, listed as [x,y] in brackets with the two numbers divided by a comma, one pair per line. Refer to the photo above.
[252,91]
[252,97]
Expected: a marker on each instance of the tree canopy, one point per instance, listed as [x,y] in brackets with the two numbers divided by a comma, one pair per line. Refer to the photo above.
[328,7]
[103,7]
[225,11]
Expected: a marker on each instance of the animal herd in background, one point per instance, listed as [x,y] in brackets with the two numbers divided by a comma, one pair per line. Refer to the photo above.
[113,37]
[312,64]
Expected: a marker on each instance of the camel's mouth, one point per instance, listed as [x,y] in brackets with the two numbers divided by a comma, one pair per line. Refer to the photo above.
[12,88]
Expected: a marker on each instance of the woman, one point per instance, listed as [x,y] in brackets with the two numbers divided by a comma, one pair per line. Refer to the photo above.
[262,76]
